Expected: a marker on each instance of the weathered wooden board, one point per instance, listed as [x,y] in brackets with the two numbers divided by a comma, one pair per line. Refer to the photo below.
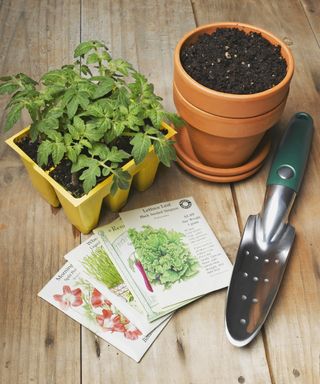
[38,343]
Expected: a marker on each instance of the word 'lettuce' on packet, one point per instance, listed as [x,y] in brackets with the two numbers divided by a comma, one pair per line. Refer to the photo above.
[92,261]
[80,300]
[177,257]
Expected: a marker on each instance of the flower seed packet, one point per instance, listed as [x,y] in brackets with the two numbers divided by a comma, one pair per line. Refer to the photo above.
[115,238]
[92,261]
[177,256]
[84,303]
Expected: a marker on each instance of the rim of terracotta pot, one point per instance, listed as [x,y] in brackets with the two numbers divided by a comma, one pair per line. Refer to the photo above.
[223,126]
[285,51]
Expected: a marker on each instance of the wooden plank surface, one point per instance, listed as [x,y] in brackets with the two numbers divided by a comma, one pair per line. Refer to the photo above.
[312,10]
[38,343]
[292,333]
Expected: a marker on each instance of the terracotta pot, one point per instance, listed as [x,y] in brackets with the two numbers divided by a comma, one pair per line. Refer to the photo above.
[224,142]
[226,104]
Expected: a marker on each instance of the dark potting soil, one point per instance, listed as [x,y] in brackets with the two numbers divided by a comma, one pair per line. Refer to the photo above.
[63,176]
[232,61]
[31,148]
[62,172]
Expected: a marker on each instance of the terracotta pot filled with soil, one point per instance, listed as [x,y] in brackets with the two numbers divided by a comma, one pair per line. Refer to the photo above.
[231,82]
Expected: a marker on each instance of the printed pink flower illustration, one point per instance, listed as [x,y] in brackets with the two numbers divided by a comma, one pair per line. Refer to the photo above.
[69,298]
[108,321]
[98,300]
[133,333]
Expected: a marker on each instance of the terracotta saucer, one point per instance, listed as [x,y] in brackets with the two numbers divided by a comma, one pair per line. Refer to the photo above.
[189,159]
[215,178]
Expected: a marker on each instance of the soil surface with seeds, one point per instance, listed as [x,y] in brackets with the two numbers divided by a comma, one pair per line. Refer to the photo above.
[232,61]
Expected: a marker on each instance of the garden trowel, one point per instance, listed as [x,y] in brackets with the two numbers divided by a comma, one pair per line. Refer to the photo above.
[268,237]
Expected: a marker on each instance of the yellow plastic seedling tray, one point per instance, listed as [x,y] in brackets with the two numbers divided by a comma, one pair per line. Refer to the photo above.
[84,212]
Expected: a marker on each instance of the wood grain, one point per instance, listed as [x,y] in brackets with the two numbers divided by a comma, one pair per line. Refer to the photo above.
[38,343]
[292,339]
[312,10]
[193,347]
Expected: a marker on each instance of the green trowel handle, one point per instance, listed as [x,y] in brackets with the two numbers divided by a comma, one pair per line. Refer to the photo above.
[291,157]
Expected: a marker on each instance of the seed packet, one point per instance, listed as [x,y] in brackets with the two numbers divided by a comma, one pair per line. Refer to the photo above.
[173,255]
[84,303]
[115,239]
[92,261]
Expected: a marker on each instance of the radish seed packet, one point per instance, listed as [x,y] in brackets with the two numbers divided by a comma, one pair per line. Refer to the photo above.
[84,303]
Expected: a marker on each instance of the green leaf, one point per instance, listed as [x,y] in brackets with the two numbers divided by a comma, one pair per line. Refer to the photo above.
[44,151]
[79,124]
[48,124]
[86,87]
[8,88]
[69,94]
[94,110]
[116,155]
[103,88]
[119,127]
[67,139]
[55,77]
[54,135]
[72,107]
[105,56]
[83,48]
[141,144]
[175,119]
[58,151]
[106,171]
[72,154]
[13,116]
[100,150]
[55,112]
[83,161]
[121,179]
[165,151]
[151,130]
[86,143]
[73,132]
[26,79]
[120,65]
[93,58]
[156,115]
[103,123]
[85,70]
[93,133]
[83,100]
[89,176]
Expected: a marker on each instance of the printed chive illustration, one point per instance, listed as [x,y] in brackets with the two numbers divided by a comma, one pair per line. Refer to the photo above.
[99,265]
[164,256]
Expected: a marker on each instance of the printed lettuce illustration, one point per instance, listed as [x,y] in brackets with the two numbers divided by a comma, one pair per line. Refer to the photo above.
[164,256]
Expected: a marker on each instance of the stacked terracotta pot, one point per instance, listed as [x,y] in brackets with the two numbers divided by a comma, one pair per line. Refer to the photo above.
[224,130]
